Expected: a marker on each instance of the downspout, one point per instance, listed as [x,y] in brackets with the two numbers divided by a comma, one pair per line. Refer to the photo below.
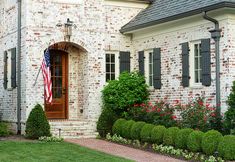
[216,34]
[19,68]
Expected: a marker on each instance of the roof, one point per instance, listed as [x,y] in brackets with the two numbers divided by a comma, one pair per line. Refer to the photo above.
[161,11]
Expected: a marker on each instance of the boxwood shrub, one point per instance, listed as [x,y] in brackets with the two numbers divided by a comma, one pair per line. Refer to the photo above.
[182,137]
[136,129]
[117,126]
[126,129]
[226,147]
[37,124]
[194,141]
[145,133]
[210,141]
[157,134]
[170,136]
[105,122]
[4,129]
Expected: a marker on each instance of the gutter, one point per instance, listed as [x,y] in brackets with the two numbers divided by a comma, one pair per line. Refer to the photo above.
[216,34]
[19,68]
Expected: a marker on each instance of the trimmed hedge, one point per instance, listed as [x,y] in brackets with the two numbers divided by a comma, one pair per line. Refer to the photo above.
[4,129]
[157,134]
[136,129]
[194,141]
[210,141]
[37,124]
[126,129]
[145,133]
[226,147]
[105,122]
[117,126]
[170,136]
[182,137]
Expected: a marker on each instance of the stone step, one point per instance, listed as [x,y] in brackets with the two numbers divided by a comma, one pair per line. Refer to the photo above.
[73,129]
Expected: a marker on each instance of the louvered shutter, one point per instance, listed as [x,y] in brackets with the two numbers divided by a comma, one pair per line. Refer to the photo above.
[5,71]
[185,64]
[157,68]
[206,62]
[13,67]
[141,62]
[124,61]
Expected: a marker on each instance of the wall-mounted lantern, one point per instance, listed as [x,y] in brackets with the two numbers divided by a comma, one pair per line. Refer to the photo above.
[68,27]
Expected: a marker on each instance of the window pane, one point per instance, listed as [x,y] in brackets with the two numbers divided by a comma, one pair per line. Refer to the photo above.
[107,77]
[150,69]
[150,57]
[107,67]
[113,68]
[150,80]
[58,82]
[200,74]
[113,58]
[57,92]
[58,71]
[196,50]
[107,58]
[112,76]
[196,63]
[196,76]
[57,59]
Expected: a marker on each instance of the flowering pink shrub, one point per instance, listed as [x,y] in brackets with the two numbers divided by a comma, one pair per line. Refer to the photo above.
[159,113]
[197,114]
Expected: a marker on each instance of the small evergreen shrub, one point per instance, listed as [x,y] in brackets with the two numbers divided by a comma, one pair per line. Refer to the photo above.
[4,131]
[229,122]
[182,137]
[210,141]
[226,147]
[145,133]
[37,124]
[126,129]
[105,122]
[136,129]
[194,141]
[157,134]
[117,126]
[170,136]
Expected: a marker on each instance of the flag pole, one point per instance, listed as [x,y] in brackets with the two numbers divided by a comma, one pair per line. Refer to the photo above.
[35,82]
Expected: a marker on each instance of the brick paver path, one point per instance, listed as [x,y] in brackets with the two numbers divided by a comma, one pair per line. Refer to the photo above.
[122,151]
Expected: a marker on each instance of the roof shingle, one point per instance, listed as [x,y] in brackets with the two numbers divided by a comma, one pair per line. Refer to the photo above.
[166,10]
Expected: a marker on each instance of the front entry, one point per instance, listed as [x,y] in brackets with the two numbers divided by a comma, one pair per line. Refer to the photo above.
[59,76]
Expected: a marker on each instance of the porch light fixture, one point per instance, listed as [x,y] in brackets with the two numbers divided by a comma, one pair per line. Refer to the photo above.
[68,27]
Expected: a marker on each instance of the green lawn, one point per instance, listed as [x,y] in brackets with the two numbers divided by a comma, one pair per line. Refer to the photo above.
[51,152]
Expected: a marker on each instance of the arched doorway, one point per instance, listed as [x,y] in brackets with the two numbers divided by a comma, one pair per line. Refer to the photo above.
[58,109]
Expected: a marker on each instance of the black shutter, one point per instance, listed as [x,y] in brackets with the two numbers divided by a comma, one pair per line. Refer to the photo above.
[141,62]
[5,71]
[13,67]
[206,62]
[124,61]
[185,64]
[157,68]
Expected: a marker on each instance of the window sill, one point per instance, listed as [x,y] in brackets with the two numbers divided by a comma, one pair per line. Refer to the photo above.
[151,89]
[196,86]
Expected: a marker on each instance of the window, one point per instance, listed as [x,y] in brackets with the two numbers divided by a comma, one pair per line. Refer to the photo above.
[196,63]
[10,68]
[149,67]
[111,65]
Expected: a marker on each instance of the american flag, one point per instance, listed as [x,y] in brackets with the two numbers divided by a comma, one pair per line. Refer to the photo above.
[47,77]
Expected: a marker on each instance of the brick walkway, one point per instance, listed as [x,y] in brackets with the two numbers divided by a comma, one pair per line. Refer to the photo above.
[122,151]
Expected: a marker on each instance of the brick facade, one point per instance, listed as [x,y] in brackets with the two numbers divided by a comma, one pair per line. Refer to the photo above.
[97,31]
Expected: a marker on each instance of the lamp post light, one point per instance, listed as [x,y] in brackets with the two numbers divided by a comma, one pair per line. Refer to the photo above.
[68,27]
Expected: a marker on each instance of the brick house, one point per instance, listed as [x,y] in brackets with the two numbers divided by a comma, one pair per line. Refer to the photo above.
[92,41]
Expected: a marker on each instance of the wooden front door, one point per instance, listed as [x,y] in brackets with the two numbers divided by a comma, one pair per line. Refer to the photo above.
[59,76]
